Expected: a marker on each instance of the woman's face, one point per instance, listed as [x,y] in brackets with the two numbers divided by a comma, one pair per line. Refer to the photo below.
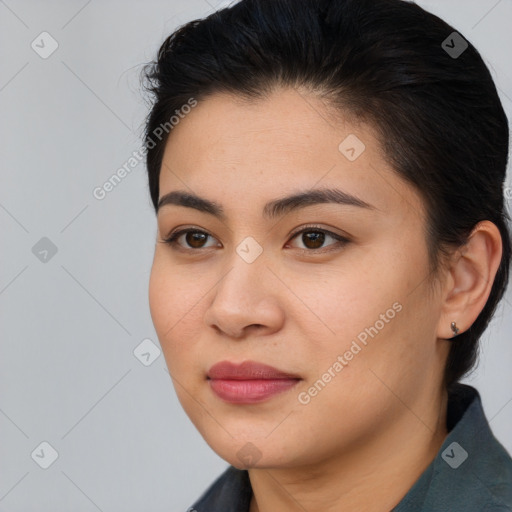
[351,319]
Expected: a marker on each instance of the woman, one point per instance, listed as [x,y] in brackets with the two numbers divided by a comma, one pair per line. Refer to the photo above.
[332,242]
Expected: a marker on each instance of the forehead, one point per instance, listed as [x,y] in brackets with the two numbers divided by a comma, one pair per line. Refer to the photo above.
[229,147]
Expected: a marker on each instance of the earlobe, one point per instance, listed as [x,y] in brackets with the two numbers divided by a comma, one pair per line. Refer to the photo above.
[472,274]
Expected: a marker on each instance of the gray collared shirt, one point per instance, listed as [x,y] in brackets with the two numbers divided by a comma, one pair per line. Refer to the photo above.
[472,472]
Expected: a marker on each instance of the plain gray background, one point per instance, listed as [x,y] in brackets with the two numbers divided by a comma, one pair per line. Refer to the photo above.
[70,324]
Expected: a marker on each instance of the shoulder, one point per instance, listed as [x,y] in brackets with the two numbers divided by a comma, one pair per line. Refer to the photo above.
[472,471]
[487,468]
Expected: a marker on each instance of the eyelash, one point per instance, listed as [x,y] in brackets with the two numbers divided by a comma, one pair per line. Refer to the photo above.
[171,240]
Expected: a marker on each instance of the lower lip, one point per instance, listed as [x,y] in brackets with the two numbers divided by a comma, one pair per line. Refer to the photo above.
[249,391]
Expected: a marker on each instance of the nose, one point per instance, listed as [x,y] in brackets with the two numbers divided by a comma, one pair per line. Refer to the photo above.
[245,301]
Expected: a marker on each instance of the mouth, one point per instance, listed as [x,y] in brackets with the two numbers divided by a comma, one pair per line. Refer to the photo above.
[248,383]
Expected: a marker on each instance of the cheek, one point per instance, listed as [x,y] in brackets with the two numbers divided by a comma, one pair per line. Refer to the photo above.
[162,299]
[173,292]
[175,302]
[338,303]
[366,310]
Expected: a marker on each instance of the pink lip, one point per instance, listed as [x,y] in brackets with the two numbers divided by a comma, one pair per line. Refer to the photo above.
[249,382]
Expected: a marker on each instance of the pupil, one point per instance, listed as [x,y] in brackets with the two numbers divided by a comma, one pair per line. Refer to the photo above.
[314,236]
[195,239]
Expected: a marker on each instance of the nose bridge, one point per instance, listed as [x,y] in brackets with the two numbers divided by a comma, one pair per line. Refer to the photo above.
[244,282]
[242,297]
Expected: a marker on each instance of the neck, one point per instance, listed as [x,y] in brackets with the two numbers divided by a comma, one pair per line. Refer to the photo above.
[374,477]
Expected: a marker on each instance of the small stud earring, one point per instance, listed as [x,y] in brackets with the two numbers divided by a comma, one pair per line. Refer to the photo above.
[454,327]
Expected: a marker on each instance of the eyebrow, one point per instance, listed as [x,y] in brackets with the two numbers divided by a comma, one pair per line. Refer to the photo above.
[272,209]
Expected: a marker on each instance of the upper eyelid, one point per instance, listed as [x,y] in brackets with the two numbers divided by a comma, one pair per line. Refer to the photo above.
[318,228]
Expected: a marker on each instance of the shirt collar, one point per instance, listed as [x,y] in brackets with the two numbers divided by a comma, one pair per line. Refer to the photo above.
[472,471]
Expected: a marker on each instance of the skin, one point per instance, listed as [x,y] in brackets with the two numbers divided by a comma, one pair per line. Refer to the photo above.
[366,437]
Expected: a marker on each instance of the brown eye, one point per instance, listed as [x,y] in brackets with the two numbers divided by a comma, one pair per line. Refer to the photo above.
[313,238]
[193,239]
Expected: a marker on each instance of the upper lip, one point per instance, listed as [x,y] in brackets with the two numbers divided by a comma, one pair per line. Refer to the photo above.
[248,370]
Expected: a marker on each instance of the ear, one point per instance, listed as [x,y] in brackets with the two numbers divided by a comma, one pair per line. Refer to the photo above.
[470,279]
